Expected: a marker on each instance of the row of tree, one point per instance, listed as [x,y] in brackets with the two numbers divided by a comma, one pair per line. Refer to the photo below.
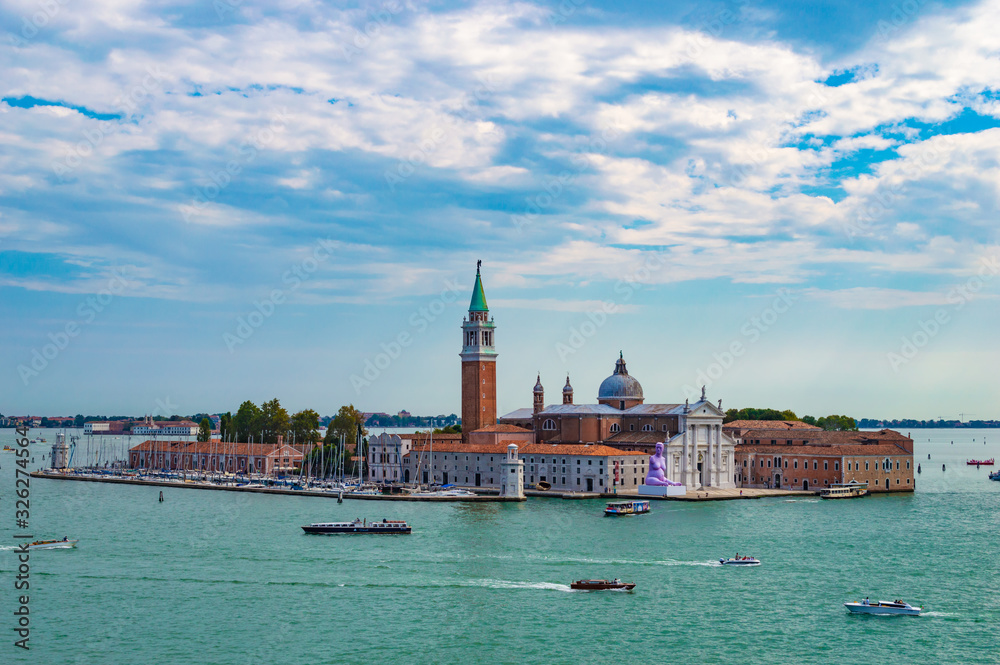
[831,422]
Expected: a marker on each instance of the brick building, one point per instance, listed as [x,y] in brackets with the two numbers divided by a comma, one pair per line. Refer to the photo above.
[812,459]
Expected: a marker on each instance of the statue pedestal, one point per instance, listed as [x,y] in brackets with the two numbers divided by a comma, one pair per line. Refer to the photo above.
[662,490]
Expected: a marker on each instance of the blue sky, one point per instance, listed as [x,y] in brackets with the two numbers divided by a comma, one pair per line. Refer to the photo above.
[794,203]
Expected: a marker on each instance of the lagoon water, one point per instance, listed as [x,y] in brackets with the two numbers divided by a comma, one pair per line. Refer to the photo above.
[219,577]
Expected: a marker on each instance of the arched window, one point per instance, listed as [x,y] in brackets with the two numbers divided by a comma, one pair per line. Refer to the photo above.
[549,424]
[647,428]
[615,428]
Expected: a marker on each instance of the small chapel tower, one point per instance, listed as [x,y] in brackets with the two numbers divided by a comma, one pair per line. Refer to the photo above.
[479,358]
[567,392]
[512,475]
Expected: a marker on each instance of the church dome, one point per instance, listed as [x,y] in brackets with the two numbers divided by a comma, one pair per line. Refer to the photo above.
[620,385]
[538,386]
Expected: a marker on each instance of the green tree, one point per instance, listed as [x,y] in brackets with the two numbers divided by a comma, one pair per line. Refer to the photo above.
[305,426]
[247,422]
[78,421]
[225,425]
[205,430]
[838,423]
[274,421]
[346,424]
[808,420]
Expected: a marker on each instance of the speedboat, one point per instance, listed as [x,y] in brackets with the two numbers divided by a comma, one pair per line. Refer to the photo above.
[882,607]
[617,508]
[740,561]
[358,526]
[995,475]
[602,585]
[65,543]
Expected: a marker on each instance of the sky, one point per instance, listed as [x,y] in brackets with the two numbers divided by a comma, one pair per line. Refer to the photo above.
[793,204]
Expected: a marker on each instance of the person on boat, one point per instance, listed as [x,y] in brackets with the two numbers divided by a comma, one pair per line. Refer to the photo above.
[65,538]
[617,581]
[865,601]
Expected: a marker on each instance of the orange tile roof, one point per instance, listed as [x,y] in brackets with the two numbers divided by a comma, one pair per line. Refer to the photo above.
[595,450]
[873,449]
[829,438]
[768,424]
[213,447]
[459,447]
[501,427]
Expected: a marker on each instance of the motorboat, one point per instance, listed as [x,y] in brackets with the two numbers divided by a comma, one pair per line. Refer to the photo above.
[358,526]
[844,490]
[8,449]
[602,585]
[980,462]
[65,543]
[620,508]
[882,607]
[740,561]
[995,475]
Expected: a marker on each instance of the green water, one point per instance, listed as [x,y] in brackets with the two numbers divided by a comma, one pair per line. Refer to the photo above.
[218,577]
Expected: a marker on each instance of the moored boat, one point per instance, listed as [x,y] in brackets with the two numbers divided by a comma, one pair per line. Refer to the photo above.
[882,607]
[980,462]
[65,543]
[602,585]
[740,561]
[844,490]
[359,526]
[618,508]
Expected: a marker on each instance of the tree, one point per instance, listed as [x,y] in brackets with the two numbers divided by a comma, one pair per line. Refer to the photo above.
[305,426]
[205,430]
[808,420]
[274,421]
[78,421]
[346,424]
[225,425]
[838,423]
[246,422]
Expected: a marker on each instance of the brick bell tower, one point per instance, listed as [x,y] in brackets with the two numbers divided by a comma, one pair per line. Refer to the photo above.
[479,364]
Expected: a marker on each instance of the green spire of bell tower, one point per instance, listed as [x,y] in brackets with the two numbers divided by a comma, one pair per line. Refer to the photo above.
[478,303]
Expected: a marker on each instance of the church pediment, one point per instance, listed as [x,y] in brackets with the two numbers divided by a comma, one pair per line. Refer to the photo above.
[704,408]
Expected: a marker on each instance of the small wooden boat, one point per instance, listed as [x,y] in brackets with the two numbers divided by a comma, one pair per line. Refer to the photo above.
[65,543]
[620,508]
[882,607]
[602,585]
[980,462]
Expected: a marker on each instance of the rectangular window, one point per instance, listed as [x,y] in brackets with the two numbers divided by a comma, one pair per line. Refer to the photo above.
[836,466]
[796,465]
[826,465]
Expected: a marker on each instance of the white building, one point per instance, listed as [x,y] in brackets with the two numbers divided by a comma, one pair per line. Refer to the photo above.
[512,474]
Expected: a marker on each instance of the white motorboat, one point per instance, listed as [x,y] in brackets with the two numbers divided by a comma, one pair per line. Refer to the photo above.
[740,561]
[65,543]
[882,607]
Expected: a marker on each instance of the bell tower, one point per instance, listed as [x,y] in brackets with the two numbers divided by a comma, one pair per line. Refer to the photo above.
[479,364]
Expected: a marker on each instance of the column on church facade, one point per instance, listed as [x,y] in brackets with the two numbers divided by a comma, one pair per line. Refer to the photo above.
[684,457]
[719,471]
[695,480]
[710,456]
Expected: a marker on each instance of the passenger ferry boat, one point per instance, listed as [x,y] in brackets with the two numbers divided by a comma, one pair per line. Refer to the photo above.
[359,526]
[844,490]
[977,462]
[882,607]
[602,585]
[617,508]
[65,543]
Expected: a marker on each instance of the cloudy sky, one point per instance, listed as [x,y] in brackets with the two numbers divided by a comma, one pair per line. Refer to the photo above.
[794,204]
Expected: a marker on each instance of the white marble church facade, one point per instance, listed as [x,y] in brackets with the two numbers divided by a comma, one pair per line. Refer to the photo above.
[701,454]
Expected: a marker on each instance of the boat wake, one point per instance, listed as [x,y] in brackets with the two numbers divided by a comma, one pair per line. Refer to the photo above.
[506,584]
[936,614]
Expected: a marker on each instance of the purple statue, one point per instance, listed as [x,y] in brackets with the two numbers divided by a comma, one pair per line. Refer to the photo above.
[657,476]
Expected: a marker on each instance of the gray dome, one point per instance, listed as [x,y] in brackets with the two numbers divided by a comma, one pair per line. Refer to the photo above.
[620,385]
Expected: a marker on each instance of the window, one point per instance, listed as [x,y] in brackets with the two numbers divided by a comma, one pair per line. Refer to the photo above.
[664,428]
[615,428]
[836,466]
[866,465]
[647,428]
[631,427]
[590,462]
[549,424]
[815,466]
[897,466]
